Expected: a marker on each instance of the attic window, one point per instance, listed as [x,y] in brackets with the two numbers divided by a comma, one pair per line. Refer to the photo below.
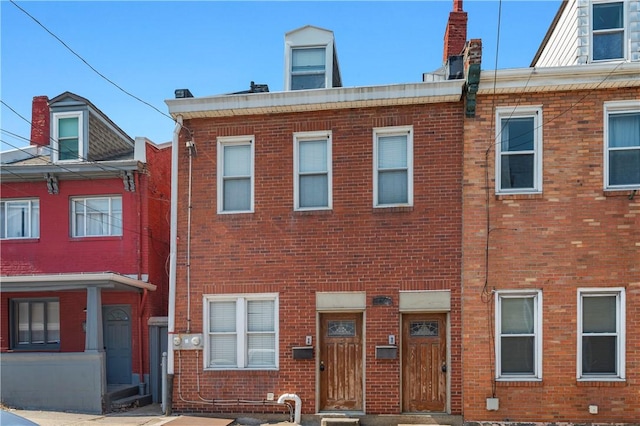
[608,31]
[308,68]
[68,141]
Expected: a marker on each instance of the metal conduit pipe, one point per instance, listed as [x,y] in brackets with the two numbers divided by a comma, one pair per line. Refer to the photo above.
[292,396]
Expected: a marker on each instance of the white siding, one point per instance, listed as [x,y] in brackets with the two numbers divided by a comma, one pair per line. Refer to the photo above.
[569,42]
[562,47]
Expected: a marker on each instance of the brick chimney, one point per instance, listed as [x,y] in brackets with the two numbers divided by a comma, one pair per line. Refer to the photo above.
[40,133]
[455,35]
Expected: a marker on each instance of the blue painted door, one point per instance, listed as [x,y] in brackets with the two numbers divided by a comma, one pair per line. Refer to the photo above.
[117,342]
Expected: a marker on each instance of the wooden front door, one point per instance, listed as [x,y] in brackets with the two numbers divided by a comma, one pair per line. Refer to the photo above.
[424,357]
[341,362]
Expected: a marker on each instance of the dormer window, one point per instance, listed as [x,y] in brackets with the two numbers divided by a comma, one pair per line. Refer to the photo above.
[608,31]
[310,59]
[68,140]
[308,68]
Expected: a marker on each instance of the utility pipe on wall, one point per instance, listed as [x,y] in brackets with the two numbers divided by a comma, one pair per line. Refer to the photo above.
[292,396]
[173,243]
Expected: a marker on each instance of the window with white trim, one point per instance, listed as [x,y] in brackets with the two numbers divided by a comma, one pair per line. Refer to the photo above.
[96,216]
[19,219]
[601,334]
[607,30]
[235,174]
[241,332]
[393,166]
[36,324]
[308,68]
[518,150]
[312,168]
[622,145]
[519,335]
[68,144]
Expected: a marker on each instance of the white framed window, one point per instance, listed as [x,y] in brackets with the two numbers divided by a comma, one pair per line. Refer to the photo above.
[518,335]
[519,150]
[608,30]
[622,145]
[308,68]
[235,174]
[601,334]
[36,324]
[241,331]
[393,166]
[312,170]
[68,130]
[96,216]
[19,219]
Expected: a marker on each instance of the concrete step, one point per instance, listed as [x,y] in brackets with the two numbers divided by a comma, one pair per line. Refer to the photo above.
[339,421]
[131,402]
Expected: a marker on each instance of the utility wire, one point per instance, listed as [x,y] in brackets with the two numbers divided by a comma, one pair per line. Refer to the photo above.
[88,64]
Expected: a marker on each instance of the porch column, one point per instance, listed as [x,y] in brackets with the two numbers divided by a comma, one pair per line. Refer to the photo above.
[93,338]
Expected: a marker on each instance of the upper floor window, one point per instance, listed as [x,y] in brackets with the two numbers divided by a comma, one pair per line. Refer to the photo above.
[36,324]
[519,335]
[622,145]
[68,140]
[235,174]
[608,39]
[96,216]
[518,150]
[312,163]
[308,68]
[20,219]
[241,331]
[601,334]
[393,166]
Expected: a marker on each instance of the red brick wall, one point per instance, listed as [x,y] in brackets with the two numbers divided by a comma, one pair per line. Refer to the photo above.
[353,247]
[572,235]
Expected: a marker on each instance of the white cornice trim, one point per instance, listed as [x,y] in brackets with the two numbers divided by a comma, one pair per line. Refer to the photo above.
[315,100]
[575,77]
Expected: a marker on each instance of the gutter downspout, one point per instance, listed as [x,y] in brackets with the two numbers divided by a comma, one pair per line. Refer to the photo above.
[173,244]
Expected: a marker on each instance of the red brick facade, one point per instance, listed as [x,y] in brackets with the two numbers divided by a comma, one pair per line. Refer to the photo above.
[573,235]
[352,247]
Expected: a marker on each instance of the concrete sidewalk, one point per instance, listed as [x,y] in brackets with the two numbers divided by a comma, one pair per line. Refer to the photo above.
[149,415]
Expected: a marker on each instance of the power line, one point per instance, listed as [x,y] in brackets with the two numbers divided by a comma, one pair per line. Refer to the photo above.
[88,64]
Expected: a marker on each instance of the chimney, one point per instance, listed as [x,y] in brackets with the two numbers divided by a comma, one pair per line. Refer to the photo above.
[40,133]
[455,35]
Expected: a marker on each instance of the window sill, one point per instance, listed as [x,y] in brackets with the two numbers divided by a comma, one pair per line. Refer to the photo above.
[629,193]
[96,238]
[602,383]
[318,212]
[392,209]
[20,240]
[533,383]
[520,196]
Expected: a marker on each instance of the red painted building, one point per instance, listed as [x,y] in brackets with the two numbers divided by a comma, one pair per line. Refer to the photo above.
[318,240]
[85,241]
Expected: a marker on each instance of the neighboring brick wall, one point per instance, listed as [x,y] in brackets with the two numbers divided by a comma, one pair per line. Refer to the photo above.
[572,235]
[353,247]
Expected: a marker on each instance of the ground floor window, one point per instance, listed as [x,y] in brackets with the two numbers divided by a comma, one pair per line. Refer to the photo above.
[241,331]
[601,334]
[36,324]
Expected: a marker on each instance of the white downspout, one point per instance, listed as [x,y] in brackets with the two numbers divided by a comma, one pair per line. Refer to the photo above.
[296,398]
[173,245]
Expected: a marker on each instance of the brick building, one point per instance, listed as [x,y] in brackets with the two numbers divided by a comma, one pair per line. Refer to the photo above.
[85,240]
[551,238]
[318,250]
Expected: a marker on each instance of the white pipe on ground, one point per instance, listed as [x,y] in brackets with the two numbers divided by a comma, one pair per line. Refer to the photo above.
[292,396]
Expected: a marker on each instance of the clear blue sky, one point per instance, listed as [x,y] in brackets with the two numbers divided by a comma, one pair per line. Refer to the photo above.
[151,48]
